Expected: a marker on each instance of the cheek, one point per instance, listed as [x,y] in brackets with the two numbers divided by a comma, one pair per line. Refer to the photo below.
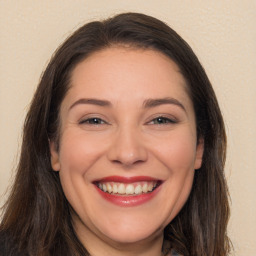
[78,152]
[177,152]
[178,156]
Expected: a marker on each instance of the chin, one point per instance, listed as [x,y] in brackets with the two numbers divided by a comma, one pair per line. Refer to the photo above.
[129,235]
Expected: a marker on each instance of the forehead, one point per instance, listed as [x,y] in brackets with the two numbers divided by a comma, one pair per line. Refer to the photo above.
[127,74]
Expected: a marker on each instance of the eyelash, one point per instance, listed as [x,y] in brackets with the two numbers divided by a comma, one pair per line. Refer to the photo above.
[160,120]
[93,121]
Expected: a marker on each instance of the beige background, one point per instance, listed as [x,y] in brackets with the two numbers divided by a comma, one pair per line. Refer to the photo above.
[221,32]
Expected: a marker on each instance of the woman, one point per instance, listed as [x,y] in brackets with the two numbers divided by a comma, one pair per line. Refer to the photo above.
[123,150]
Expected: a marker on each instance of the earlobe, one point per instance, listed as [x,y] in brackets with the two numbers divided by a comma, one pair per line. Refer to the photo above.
[199,153]
[54,156]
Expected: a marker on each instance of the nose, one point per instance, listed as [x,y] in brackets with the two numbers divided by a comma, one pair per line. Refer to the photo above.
[127,148]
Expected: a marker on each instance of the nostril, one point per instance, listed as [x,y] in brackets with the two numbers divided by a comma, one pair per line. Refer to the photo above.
[128,163]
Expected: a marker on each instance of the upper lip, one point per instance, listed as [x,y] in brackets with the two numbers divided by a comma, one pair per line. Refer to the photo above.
[123,179]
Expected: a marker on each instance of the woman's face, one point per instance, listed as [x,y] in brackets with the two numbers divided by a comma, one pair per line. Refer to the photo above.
[128,146]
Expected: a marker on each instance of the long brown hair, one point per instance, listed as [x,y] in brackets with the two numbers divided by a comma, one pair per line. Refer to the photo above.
[37,215]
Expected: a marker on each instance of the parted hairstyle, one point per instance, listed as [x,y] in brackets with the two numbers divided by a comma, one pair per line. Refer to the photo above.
[37,217]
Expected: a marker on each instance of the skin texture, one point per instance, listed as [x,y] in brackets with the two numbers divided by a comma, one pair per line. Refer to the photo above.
[127,140]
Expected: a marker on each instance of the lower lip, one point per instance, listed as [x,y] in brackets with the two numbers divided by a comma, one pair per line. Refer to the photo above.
[127,201]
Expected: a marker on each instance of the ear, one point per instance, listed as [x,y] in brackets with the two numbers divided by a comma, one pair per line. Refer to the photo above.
[199,153]
[54,156]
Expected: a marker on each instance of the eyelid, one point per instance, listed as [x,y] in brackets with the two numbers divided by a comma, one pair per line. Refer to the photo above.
[170,119]
[86,119]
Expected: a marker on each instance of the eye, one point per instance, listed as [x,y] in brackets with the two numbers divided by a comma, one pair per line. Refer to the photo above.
[93,121]
[162,120]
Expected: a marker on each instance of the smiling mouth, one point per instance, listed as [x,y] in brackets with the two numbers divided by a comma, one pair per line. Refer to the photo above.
[135,188]
[128,191]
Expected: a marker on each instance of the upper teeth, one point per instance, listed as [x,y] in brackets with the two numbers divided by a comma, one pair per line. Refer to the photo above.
[128,189]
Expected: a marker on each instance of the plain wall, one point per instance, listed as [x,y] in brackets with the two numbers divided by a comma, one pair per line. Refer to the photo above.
[222,34]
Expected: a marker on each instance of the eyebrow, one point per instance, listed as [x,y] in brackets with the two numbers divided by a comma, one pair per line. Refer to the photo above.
[149,103]
[97,102]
